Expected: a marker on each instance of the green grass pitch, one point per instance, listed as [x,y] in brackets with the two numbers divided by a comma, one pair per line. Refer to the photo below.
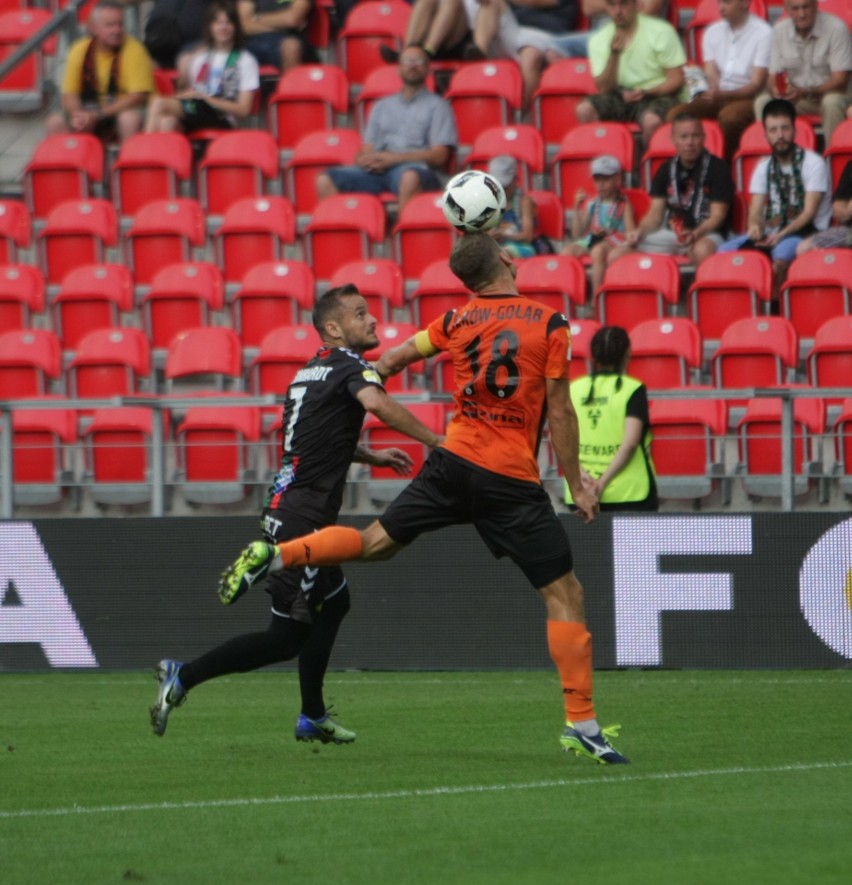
[737,777]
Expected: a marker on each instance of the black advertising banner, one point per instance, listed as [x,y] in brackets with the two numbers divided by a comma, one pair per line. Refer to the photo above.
[668,590]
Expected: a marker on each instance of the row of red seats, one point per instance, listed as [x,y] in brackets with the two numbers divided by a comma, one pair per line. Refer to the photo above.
[636,288]
[246,163]
[216,455]
[666,354]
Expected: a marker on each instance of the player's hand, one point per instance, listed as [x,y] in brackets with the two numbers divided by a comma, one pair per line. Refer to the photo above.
[619,42]
[586,502]
[398,461]
[633,95]
[632,238]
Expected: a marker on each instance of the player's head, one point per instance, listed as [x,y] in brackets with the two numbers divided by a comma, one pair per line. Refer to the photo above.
[219,15]
[478,261]
[106,24]
[342,318]
[687,136]
[779,126]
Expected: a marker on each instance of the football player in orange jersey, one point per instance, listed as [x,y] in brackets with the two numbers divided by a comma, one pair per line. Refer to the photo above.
[510,357]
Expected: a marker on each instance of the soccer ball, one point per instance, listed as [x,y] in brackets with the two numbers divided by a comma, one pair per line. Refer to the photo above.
[473,201]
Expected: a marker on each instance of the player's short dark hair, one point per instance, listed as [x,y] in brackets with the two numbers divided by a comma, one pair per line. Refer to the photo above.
[779,107]
[328,304]
[475,260]
[608,349]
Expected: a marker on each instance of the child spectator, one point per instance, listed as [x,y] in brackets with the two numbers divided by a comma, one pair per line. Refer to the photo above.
[602,224]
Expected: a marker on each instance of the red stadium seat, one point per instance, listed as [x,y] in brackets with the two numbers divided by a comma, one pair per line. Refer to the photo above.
[582,332]
[42,462]
[483,95]
[15,230]
[559,281]
[838,151]
[182,296]
[439,290]
[110,362]
[312,156]
[272,294]
[817,288]
[829,361]
[563,85]
[206,359]
[63,167]
[93,296]
[282,353]
[77,232]
[21,295]
[843,448]
[368,26]
[117,455]
[637,287]
[729,286]
[379,280]
[687,445]
[521,142]
[756,352]
[236,165]
[30,363]
[421,235]
[760,445]
[551,217]
[150,166]
[215,453]
[383,483]
[23,89]
[164,232]
[252,232]
[308,98]
[344,227]
[665,353]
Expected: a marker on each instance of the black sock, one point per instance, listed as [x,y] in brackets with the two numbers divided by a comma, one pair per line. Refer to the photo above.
[282,641]
[315,653]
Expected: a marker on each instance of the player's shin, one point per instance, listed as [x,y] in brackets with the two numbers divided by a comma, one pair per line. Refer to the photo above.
[570,645]
[329,546]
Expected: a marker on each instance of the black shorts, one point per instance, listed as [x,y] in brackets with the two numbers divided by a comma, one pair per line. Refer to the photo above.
[513,517]
[197,114]
[298,593]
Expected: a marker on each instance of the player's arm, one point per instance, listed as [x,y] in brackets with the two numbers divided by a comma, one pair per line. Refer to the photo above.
[393,361]
[377,401]
[565,439]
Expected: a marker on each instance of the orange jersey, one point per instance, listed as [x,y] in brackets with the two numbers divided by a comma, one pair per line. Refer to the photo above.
[503,348]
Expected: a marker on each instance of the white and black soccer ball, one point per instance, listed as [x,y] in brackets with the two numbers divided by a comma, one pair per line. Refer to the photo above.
[473,201]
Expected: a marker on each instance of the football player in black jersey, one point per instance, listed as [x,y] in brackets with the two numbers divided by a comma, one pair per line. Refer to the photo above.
[323,415]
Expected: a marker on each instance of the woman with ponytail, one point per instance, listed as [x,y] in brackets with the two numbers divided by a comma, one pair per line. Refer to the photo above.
[615,431]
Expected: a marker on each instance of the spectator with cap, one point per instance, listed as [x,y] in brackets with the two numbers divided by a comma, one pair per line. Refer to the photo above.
[691,198]
[601,224]
[518,232]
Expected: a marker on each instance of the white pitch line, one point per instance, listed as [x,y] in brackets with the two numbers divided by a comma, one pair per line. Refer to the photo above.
[416,794]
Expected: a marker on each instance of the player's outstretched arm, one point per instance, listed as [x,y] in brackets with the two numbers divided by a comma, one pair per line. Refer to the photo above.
[393,361]
[394,414]
[565,438]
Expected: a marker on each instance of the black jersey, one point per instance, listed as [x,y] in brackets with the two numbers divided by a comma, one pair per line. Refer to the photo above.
[322,423]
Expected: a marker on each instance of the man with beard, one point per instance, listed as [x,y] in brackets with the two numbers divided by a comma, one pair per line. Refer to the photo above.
[409,139]
[790,194]
[323,414]
[691,197]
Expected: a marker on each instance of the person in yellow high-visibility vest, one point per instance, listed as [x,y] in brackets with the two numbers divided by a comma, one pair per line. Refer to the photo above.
[615,432]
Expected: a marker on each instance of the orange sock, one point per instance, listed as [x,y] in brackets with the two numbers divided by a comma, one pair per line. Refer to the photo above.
[570,645]
[329,546]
